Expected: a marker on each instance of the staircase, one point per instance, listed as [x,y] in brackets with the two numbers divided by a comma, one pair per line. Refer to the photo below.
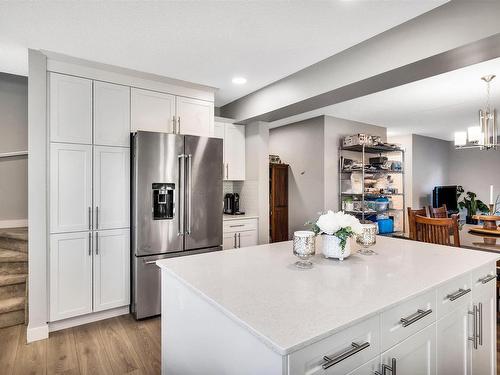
[13,276]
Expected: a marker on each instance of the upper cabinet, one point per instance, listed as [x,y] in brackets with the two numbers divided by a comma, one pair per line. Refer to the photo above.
[152,111]
[195,117]
[234,149]
[70,102]
[111,114]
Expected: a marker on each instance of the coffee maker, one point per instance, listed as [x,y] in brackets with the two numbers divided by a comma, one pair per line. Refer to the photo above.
[232,204]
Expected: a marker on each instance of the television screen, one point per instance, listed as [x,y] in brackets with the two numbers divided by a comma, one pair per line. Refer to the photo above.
[445,195]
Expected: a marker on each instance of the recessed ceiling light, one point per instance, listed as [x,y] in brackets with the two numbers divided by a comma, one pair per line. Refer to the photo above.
[239,80]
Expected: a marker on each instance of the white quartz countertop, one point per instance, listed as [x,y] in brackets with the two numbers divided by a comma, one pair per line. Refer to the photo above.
[226,217]
[288,308]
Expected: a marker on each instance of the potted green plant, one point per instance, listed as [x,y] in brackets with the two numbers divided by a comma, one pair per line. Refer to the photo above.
[471,205]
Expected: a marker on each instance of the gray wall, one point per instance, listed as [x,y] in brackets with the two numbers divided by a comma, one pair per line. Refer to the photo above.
[301,146]
[14,137]
[430,168]
[475,170]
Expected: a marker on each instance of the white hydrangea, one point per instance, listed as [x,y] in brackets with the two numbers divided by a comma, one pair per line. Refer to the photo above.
[331,222]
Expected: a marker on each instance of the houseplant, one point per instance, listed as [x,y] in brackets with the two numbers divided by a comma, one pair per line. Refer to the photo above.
[471,205]
[336,228]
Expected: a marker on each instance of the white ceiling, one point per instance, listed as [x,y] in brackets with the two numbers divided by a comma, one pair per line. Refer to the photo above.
[206,42]
[434,107]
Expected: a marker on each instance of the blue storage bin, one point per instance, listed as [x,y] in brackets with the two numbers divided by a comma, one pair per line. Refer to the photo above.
[385,226]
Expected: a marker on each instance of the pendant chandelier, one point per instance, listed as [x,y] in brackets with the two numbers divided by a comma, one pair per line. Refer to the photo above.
[484,136]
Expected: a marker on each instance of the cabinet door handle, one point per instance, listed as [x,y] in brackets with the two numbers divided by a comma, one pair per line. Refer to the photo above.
[459,293]
[96,217]
[391,368]
[480,313]
[239,240]
[227,171]
[473,338]
[487,279]
[96,243]
[90,244]
[409,320]
[90,218]
[178,124]
[353,349]
[173,125]
[235,241]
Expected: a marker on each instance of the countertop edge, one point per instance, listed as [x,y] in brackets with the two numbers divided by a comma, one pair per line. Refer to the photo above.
[295,347]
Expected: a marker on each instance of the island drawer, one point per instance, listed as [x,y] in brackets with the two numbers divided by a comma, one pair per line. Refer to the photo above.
[407,318]
[339,353]
[484,278]
[239,225]
[453,294]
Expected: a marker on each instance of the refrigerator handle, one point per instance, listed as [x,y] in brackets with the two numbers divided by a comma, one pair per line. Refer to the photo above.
[181,189]
[189,190]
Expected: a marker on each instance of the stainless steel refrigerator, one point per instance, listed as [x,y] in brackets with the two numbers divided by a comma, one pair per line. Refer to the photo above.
[176,206]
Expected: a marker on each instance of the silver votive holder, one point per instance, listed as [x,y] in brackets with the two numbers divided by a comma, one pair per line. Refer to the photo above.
[304,248]
[367,238]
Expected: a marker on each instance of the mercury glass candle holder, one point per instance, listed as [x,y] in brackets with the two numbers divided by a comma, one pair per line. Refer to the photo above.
[367,238]
[304,248]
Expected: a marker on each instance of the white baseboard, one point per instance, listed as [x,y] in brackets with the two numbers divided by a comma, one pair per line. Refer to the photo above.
[13,223]
[88,318]
[37,333]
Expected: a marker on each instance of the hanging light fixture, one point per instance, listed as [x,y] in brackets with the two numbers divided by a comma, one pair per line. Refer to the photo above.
[484,136]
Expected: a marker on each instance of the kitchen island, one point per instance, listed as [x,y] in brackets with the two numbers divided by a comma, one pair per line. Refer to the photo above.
[414,308]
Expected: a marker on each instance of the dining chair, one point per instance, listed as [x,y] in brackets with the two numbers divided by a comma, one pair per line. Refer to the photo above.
[437,230]
[411,220]
[439,212]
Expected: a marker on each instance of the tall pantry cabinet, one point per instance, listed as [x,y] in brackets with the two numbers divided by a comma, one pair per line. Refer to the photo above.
[89,182]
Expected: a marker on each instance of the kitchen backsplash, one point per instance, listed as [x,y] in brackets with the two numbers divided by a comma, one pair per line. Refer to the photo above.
[248,194]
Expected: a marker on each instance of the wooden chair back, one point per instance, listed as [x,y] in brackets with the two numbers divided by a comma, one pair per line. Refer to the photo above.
[411,220]
[437,231]
[439,212]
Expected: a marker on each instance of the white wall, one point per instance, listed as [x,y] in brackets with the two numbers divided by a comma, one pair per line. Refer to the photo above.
[301,145]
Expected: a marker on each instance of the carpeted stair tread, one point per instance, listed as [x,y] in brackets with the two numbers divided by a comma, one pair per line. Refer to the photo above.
[12,279]
[8,256]
[11,304]
[20,234]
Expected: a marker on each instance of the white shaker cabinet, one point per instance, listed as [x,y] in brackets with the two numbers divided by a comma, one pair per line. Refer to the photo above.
[70,187]
[152,111]
[111,269]
[234,152]
[70,109]
[415,355]
[484,355]
[111,114]
[240,232]
[70,277]
[111,187]
[194,117]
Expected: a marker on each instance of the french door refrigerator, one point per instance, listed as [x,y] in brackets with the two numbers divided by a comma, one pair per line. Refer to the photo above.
[176,206]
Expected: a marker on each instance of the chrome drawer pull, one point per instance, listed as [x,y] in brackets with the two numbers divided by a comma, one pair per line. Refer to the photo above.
[415,317]
[459,293]
[239,225]
[355,348]
[487,279]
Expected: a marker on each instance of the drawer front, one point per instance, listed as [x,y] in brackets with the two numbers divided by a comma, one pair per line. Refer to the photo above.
[483,278]
[453,295]
[346,350]
[407,318]
[239,225]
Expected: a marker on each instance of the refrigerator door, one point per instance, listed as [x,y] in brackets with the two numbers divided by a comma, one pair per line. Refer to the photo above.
[204,201]
[158,193]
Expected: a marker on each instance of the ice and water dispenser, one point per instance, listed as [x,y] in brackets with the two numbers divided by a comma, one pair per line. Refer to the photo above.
[163,201]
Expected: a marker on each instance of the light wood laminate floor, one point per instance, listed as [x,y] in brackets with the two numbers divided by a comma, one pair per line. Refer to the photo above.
[113,346]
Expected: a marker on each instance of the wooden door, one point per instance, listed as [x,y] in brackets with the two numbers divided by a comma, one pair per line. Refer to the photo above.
[278,204]
[416,354]
[234,152]
[70,258]
[152,111]
[111,187]
[194,116]
[70,187]
[111,269]
[111,114]
[452,345]
[70,109]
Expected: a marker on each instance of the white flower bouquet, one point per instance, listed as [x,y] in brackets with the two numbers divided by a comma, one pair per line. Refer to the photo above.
[338,224]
